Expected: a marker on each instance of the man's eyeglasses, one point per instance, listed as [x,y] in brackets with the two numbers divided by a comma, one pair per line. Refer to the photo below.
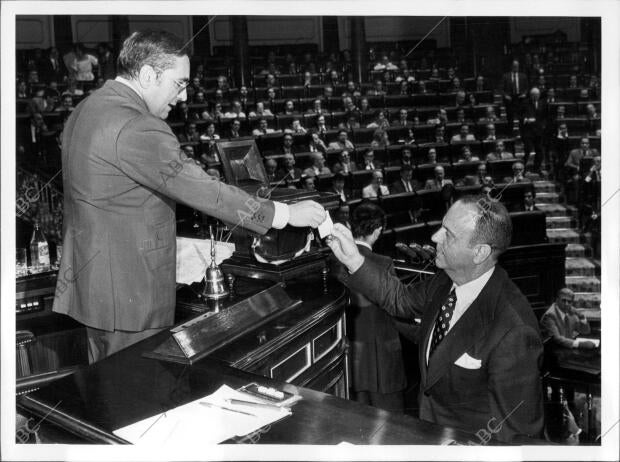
[181,84]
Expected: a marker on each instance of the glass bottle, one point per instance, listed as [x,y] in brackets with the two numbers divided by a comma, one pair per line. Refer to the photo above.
[39,249]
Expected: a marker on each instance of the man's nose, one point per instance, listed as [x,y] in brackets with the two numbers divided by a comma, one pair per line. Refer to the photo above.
[436,237]
[182,96]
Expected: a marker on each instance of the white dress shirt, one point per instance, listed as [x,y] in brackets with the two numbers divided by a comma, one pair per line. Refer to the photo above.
[465,296]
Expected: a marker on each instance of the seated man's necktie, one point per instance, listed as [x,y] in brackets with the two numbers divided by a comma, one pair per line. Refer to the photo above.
[442,324]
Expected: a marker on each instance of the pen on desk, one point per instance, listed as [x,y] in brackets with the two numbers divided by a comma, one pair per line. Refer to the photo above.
[252,403]
[204,403]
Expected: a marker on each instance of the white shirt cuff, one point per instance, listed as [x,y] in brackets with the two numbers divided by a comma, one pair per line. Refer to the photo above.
[281,215]
[575,343]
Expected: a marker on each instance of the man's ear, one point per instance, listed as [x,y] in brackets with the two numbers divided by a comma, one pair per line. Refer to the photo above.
[376,234]
[481,253]
[147,76]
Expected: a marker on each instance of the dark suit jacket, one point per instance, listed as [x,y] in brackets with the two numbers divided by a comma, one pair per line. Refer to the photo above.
[398,186]
[123,172]
[376,353]
[296,175]
[508,87]
[529,111]
[562,332]
[499,329]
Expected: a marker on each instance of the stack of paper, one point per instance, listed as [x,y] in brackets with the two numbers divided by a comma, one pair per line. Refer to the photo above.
[199,424]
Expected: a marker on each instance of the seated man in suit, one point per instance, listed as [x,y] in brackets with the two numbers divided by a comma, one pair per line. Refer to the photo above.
[500,152]
[289,172]
[406,157]
[463,135]
[467,156]
[518,174]
[287,144]
[529,201]
[377,367]
[342,142]
[318,166]
[270,167]
[440,179]
[375,188]
[562,322]
[235,129]
[338,187]
[406,182]
[262,128]
[308,183]
[369,162]
[480,348]
[344,165]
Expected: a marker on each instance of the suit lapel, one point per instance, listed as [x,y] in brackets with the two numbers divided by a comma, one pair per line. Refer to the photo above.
[469,328]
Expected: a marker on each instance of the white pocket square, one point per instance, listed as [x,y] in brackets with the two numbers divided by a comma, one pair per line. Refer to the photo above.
[467,362]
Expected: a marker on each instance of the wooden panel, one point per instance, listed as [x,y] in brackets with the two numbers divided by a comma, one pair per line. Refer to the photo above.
[33,31]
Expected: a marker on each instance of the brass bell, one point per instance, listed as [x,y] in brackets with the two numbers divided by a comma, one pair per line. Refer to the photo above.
[215,285]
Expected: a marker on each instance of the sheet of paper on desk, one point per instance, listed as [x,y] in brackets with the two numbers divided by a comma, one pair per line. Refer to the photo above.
[194,255]
[596,341]
[195,424]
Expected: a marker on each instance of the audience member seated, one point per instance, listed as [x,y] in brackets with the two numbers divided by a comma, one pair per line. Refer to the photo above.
[518,174]
[308,183]
[460,116]
[466,155]
[431,156]
[377,89]
[385,65]
[287,144]
[365,105]
[190,133]
[262,128]
[321,126]
[463,135]
[500,152]
[406,183]
[342,142]
[369,162]
[440,134]
[345,165]
[489,117]
[529,201]
[270,167]
[289,171]
[403,119]
[235,129]
[236,111]
[316,144]
[440,118]
[380,139]
[380,122]
[338,187]
[406,157]
[562,322]
[296,128]
[439,181]
[375,188]
[341,215]
[261,111]
[318,166]
[317,108]
[209,134]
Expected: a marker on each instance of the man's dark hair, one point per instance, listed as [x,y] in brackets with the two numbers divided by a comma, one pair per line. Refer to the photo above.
[366,218]
[157,49]
[406,168]
[493,224]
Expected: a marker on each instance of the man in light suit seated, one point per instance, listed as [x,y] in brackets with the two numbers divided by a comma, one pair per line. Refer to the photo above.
[375,188]
[318,166]
[480,348]
[439,181]
[562,322]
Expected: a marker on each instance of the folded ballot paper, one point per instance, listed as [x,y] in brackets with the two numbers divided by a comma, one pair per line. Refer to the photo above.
[194,255]
[208,420]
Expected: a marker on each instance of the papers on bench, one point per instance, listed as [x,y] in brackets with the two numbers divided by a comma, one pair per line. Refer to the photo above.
[596,341]
[203,424]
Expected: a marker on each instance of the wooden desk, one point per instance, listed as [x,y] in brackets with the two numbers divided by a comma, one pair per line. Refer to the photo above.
[126,387]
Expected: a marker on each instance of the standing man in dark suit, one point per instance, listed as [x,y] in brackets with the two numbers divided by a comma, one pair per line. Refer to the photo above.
[480,348]
[534,125]
[514,89]
[123,172]
[377,368]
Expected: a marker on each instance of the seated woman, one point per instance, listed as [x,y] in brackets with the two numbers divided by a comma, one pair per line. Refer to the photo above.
[380,139]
